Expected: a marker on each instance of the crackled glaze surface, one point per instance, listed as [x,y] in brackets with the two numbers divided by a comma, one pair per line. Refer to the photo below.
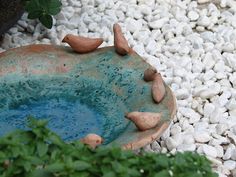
[79,93]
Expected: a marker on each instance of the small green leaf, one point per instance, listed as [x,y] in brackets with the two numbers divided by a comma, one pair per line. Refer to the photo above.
[55,3]
[133,172]
[38,133]
[54,7]
[42,122]
[32,5]
[27,166]
[80,174]
[109,174]
[56,167]
[81,165]
[54,11]
[16,151]
[163,173]
[35,160]
[194,174]
[40,173]
[44,5]
[51,7]
[46,20]
[32,123]
[118,167]
[34,14]
[53,138]
[42,148]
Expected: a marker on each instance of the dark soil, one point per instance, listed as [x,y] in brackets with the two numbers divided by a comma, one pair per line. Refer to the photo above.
[10,12]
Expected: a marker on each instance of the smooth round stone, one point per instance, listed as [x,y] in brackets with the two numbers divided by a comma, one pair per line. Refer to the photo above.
[171,143]
[229,152]
[220,151]
[188,139]
[204,21]
[208,109]
[209,150]
[202,137]
[175,129]
[133,25]
[230,164]
[186,147]
[221,128]
[203,1]
[193,15]
[182,93]
[158,23]
[155,146]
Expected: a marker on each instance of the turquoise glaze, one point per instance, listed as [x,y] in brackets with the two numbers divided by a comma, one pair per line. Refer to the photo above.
[78,94]
[59,112]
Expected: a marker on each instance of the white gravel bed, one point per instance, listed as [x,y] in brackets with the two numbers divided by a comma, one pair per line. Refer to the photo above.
[192,44]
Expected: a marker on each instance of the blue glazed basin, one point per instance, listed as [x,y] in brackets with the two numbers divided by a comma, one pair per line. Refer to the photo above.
[79,93]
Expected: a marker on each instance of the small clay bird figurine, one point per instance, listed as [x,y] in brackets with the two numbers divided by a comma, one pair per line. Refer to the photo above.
[120,43]
[93,140]
[158,88]
[149,74]
[82,44]
[144,120]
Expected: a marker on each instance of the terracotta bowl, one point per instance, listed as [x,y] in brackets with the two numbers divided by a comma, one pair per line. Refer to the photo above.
[79,93]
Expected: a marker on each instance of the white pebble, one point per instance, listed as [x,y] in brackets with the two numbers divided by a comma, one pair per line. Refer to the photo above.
[221,128]
[230,164]
[220,151]
[191,114]
[229,152]
[171,143]
[208,75]
[186,147]
[22,23]
[204,21]
[145,10]
[209,150]
[133,25]
[208,109]
[158,23]
[13,30]
[188,139]
[193,15]
[175,129]
[203,1]
[182,93]
[231,104]
[202,137]
[155,146]
[151,47]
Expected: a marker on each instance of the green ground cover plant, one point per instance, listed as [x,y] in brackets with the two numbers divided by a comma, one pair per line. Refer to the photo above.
[39,152]
[43,10]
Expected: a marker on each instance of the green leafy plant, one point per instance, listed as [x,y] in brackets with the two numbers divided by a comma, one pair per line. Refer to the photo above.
[39,152]
[43,10]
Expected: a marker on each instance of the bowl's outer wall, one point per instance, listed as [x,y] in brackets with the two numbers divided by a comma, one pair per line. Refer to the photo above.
[121,77]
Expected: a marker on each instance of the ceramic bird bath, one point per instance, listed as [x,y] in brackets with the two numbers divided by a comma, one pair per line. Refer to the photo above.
[79,93]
